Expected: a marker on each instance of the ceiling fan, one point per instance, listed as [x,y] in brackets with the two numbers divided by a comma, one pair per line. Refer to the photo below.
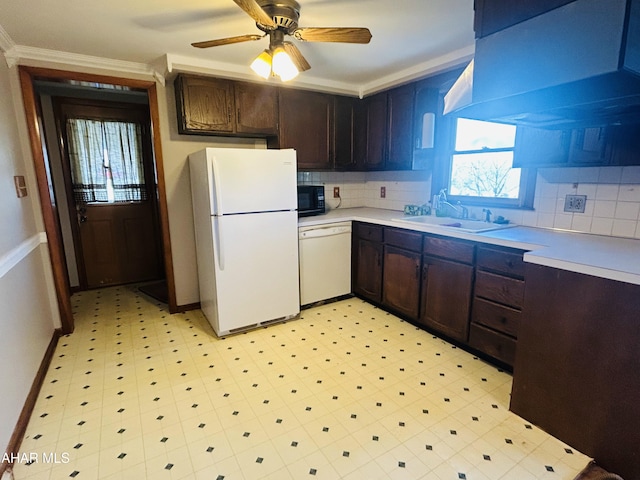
[277,18]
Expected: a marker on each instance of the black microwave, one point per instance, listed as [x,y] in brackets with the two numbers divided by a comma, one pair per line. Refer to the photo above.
[310,200]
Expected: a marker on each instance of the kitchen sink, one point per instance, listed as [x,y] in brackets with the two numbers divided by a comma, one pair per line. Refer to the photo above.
[464,225]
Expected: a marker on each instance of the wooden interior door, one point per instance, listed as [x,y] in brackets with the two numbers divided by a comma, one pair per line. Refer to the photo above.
[118,243]
[115,242]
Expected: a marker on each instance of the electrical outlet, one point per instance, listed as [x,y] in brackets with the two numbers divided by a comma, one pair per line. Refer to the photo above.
[336,192]
[383,192]
[575,203]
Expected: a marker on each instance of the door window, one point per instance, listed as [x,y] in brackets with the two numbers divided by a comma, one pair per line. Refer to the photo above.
[106,161]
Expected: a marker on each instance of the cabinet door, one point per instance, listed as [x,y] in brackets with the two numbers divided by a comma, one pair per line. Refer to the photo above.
[376,133]
[625,144]
[367,275]
[400,128]
[446,297]
[424,121]
[256,108]
[344,132]
[401,281]
[538,147]
[305,125]
[205,105]
[589,146]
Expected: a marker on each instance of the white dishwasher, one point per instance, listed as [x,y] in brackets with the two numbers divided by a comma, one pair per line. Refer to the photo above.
[325,261]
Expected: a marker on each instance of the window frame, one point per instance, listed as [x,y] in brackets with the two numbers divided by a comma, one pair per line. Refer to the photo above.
[442,175]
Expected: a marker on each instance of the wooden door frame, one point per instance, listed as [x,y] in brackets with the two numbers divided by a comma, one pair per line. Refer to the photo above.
[48,206]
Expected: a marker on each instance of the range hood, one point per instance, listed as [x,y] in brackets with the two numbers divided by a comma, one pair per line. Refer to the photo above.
[576,65]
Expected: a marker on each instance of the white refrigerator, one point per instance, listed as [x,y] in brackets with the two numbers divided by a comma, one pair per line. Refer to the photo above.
[246,226]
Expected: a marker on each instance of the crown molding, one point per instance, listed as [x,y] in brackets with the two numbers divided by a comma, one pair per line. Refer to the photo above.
[178,63]
[19,54]
[169,64]
[6,44]
[421,70]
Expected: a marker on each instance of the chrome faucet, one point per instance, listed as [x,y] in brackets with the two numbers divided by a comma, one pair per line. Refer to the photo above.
[449,210]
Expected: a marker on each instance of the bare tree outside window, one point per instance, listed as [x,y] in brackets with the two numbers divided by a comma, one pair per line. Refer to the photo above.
[481,165]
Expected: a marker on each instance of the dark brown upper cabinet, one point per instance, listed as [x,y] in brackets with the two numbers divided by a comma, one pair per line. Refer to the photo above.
[204,105]
[400,128]
[495,15]
[582,147]
[391,130]
[344,117]
[256,108]
[372,129]
[384,131]
[213,106]
[426,115]
[306,120]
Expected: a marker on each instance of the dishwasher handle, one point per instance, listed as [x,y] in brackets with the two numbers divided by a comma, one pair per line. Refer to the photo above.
[323,232]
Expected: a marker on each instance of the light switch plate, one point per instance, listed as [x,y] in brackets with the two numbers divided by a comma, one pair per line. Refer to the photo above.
[21,185]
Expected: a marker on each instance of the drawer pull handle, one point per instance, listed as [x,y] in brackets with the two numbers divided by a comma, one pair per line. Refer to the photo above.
[503,319]
[510,264]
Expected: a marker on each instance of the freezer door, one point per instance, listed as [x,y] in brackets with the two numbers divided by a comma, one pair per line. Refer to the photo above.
[245,181]
[256,269]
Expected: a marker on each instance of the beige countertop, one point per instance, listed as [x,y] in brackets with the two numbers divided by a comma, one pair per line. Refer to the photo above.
[601,256]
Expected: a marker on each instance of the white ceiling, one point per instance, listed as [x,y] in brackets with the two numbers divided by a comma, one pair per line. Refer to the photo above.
[411,38]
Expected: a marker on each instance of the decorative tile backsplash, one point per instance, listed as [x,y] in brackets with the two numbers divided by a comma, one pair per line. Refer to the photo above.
[612,206]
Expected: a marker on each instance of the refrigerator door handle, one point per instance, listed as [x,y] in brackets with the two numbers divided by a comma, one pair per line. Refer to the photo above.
[219,243]
[214,187]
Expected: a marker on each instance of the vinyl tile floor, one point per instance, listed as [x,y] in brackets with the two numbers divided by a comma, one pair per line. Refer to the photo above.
[346,391]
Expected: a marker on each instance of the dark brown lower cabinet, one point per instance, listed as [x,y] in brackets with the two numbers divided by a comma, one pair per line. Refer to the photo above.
[367,261]
[497,305]
[446,296]
[576,371]
[401,281]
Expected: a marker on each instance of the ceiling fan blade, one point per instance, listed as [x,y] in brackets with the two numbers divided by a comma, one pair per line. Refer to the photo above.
[336,34]
[227,41]
[296,56]
[256,12]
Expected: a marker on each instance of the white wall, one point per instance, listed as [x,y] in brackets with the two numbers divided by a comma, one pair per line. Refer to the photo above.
[28,311]
[176,149]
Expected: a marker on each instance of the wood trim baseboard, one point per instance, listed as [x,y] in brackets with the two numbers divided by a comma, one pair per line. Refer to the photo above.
[187,307]
[23,420]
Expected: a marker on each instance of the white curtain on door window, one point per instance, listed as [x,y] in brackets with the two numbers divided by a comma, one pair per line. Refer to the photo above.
[106,160]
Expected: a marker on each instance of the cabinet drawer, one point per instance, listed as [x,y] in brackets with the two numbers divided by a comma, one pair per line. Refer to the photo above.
[498,317]
[493,343]
[452,249]
[403,239]
[502,261]
[368,231]
[505,290]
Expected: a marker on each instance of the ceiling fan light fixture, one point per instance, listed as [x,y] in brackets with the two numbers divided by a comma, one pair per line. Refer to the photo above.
[283,66]
[262,64]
